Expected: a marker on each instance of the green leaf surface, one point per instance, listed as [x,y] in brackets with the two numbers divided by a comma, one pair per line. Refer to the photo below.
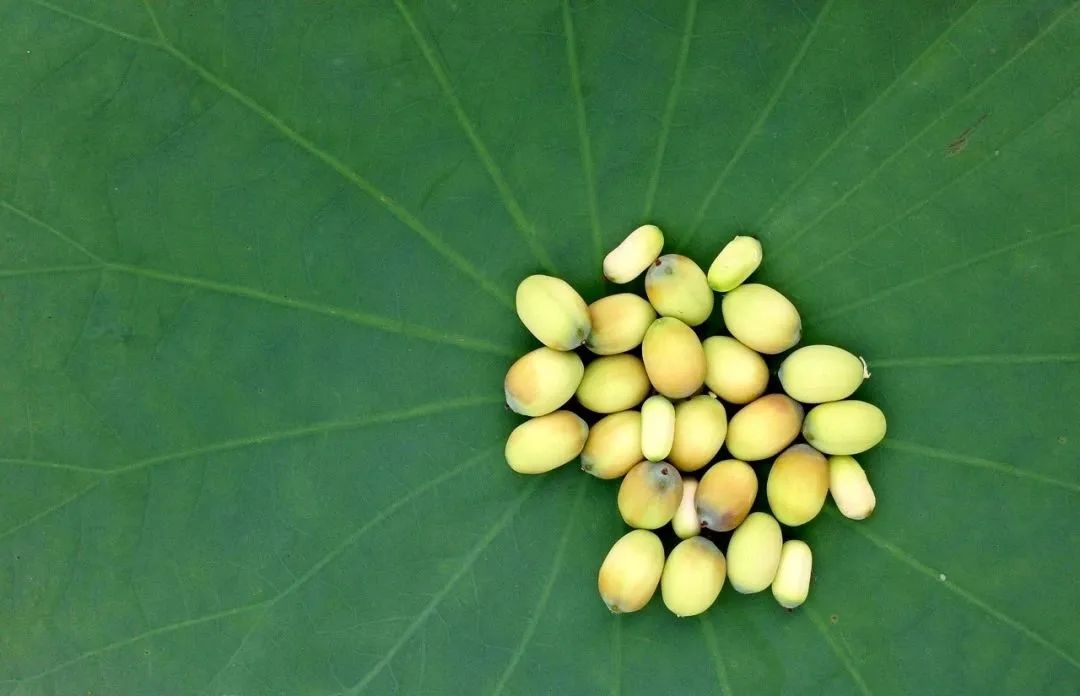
[257,263]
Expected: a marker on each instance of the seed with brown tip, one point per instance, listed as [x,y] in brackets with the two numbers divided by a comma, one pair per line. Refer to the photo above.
[677,287]
[649,495]
[553,312]
[725,495]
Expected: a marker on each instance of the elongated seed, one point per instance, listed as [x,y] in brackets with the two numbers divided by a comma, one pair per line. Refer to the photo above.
[735,263]
[634,254]
[657,427]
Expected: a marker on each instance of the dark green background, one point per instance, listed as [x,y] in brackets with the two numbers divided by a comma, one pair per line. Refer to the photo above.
[258,260]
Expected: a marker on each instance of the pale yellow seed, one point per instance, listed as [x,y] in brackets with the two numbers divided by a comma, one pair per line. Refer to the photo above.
[761,318]
[693,577]
[798,484]
[657,427]
[613,383]
[686,522]
[545,443]
[553,312]
[631,571]
[674,358]
[844,427]
[733,372]
[850,488]
[677,287]
[764,427]
[734,264]
[619,323]
[700,427]
[816,374]
[754,553]
[792,582]
[634,254]
[650,494]
[614,445]
[725,495]
[542,380]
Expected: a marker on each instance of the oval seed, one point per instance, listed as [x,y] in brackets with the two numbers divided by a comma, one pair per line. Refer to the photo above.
[725,495]
[613,446]
[619,323]
[700,427]
[733,372]
[542,380]
[693,577]
[844,427]
[674,358]
[850,488]
[792,582]
[545,443]
[816,374]
[634,254]
[686,522]
[657,427]
[650,494]
[613,383]
[754,553]
[764,427]
[797,486]
[677,287]
[761,318]
[553,312]
[736,261]
[631,571]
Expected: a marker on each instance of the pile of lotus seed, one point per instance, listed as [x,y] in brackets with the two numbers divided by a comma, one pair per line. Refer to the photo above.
[664,450]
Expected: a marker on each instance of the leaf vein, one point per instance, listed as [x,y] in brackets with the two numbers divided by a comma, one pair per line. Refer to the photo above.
[669,106]
[941,38]
[717,657]
[845,659]
[912,562]
[798,234]
[502,186]
[939,191]
[545,593]
[368,319]
[588,167]
[977,462]
[763,116]
[470,560]
[945,270]
[986,359]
